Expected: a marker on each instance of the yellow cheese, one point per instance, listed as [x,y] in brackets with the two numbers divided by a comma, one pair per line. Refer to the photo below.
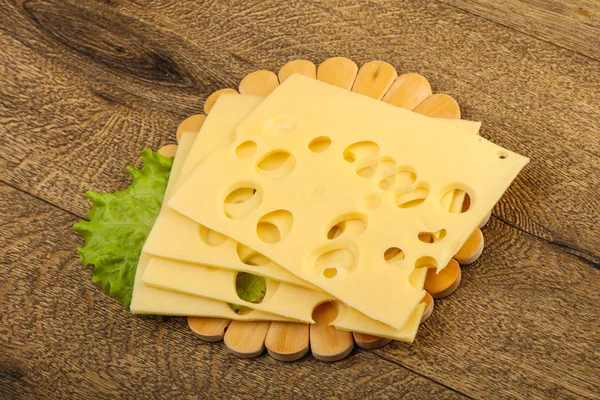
[179,238]
[469,126]
[288,300]
[178,231]
[310,194]
[150,300]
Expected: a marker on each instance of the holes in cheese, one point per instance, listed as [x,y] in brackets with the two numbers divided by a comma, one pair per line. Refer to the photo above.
[395,177]
[432,237]
[251,288]
[251,257]
[326,313]
[276,164]
[335,261]
[330,272]
[274,226]
[455,199]
[393,255]
[426,262]
[240,310]
[241,202]
[352,224]
[280,125]
[361,150]
[440,153]
[386,173]
[405,177]
[412,198]
[319,144]
[210,237]
[246,149]
[367,169]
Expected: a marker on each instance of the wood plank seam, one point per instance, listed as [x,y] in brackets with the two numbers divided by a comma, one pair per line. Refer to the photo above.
[522,32]
[399,364]
[3,182]
[593,262]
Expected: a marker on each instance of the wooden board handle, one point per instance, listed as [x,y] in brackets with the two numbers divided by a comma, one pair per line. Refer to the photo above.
[326,342]
[287,341]
[246,339]
[209,329]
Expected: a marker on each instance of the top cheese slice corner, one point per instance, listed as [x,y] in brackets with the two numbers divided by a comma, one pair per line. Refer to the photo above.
[338,188]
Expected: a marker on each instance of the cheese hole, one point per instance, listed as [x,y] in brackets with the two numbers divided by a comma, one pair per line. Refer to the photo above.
[412,198]
[246,149]
[367,171]
[455,200]
[432,237]
[352,224]
[340,259]
[276,164]
[250,256]
[274,226]
[373,201]
[466,203]
[361,150]
[319,144]
[210,237]
[325,313]
[387,182]
[426,262]
[280,125]
[502,154]
[239,309]
[330,272]
[251,288]
[393,255]
[241,202]
[402,177]
[405,178]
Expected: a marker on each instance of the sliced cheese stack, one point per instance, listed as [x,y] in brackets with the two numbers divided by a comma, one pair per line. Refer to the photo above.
[327,194]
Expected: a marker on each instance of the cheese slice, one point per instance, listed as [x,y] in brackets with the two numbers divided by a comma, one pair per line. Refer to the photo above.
[176,237]
[285,299]
[319,155]
[179,238]
[180,232]
[150,300]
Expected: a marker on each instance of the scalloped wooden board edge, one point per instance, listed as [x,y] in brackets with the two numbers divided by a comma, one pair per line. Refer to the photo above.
[375,79]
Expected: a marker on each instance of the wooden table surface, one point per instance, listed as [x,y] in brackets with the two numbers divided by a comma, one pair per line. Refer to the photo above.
[87,84]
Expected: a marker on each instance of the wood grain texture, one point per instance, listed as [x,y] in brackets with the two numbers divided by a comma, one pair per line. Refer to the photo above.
[61,337]
[574,24]
[86,84]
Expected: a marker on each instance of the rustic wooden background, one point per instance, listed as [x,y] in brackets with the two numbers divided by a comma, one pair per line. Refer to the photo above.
[87,84]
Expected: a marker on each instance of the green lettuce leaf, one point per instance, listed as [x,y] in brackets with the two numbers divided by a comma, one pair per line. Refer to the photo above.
[119,224]
[249,287]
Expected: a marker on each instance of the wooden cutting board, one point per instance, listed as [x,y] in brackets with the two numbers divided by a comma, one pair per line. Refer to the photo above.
[286,341]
